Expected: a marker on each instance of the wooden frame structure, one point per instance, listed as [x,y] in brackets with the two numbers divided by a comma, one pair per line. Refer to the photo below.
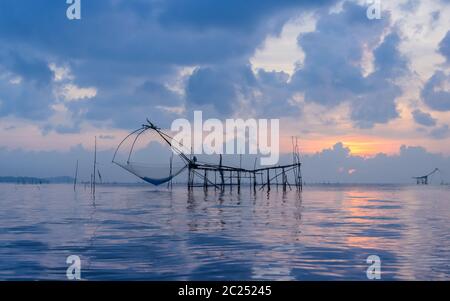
[219,176]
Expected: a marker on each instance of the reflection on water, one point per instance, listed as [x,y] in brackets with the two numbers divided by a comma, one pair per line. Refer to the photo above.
[139,232]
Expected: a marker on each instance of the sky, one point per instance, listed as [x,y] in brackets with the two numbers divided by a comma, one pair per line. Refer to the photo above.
[369,99]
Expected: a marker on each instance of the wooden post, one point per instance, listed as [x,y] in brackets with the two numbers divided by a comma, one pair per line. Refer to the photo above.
[300,178]
[221,173]
[169,184]
[239,173]
[75,179]
[95,164]
[239,181]
[189,177]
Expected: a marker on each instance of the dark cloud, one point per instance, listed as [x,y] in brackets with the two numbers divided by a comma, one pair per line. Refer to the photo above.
[130,36]
[434,95]
[31,69]
[25,99]
[118,45]
[436,15]
[129,49]
[332,74]
[423,118]
[26,91]
[389,63]
[128,108]
[218,87]
[238,15]
[223,89]
[444,46]
[274,95]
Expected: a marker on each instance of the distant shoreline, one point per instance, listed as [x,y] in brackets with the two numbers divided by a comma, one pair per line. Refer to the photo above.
[36,180]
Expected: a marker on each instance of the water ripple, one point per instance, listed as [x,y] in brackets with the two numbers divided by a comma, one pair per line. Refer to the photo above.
[136,233]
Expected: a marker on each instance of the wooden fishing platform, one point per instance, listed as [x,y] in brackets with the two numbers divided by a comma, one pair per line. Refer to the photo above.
[217,176]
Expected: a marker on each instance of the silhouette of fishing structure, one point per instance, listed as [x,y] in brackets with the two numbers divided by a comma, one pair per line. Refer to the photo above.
[201,174]
[424,180]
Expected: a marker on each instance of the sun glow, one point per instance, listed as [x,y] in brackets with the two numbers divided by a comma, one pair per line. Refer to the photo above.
[367,148]
[364,146]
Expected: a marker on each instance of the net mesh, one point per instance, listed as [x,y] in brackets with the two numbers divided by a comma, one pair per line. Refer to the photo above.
[155,174]
[148,156]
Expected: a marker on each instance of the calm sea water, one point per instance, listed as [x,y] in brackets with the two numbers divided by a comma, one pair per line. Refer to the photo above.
[143,233]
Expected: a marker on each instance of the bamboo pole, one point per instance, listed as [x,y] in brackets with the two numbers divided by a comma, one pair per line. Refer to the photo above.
[95,164]
[75,179]
[169,184]
[221,173]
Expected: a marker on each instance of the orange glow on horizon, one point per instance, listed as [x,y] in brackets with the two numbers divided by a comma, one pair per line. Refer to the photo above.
[364,146]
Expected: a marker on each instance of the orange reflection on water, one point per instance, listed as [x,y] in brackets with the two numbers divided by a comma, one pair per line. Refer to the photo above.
[366,213]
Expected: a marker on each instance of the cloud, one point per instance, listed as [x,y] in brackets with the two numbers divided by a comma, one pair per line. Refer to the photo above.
[410,5]
[27,67]
[235,90]
[423,118]
[55,163]
[121,45]
[25,91]
[275,97]
[436,92]
[329,75]
[156,42]
[335,164]
[60,73]
[26,99]
[441,132]
[444,46]
[128,108]
[218,87]
[123,58]
[244,16]
[71,92]
[332,72]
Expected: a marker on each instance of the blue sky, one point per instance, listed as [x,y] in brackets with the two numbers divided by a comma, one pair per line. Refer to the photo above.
[327,71]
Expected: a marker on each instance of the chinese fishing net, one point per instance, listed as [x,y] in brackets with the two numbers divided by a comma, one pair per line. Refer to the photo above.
[148,153]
